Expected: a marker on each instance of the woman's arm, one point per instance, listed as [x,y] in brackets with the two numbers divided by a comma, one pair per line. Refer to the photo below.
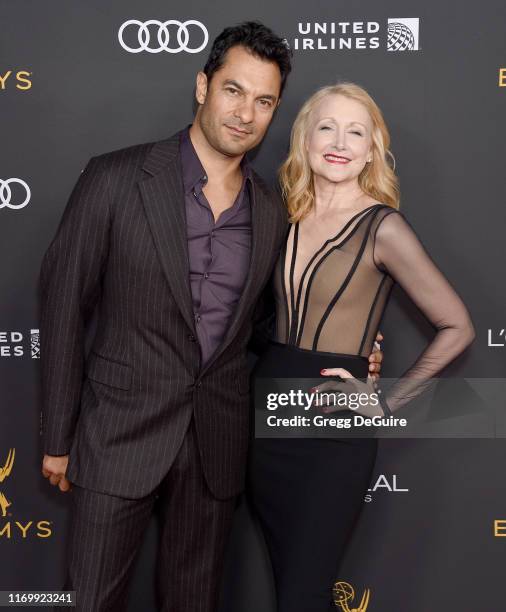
[398,251]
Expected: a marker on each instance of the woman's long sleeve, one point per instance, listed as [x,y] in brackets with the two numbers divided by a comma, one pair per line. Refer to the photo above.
[398,251]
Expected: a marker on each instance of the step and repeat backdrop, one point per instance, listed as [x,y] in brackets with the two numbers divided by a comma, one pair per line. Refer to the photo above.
[79,78]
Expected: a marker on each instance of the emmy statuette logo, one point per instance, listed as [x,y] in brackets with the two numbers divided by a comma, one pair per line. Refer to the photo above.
[344,594]
[10,528]
[4,472]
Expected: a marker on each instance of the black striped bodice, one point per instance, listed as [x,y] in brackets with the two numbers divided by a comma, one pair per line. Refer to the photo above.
[335,303]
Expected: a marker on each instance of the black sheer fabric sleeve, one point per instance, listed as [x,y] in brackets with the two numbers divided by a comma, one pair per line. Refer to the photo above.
[398,252]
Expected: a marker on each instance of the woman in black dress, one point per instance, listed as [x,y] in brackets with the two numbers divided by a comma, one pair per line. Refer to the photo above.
[346,247]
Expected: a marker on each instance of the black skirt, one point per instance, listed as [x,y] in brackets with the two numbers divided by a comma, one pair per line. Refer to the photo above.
[283,360]
[308,492]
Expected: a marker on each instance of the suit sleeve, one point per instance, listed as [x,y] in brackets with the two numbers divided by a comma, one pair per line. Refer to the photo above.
[264,317]
[69,287]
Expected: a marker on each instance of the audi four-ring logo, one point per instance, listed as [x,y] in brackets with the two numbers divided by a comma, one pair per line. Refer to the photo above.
[6,193]
[163,36]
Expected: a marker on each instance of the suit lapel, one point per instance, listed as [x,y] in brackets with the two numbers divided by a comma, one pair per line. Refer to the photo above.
[263,238]
[163,198]
[164,203]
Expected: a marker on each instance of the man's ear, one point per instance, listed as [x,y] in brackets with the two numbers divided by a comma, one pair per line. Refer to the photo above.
[201,87]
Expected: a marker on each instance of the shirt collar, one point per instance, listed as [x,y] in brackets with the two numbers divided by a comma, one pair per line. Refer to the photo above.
[194,175]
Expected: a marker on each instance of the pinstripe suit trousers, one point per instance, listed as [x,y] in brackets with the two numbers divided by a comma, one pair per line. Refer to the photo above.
[106,532]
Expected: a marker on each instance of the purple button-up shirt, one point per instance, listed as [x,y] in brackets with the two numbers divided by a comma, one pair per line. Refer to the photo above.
[219,253]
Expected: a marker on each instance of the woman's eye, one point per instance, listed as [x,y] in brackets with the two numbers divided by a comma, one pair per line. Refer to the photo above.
[324,127]
[357,133]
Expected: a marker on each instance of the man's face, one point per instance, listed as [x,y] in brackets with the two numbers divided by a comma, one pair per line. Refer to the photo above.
[237,105]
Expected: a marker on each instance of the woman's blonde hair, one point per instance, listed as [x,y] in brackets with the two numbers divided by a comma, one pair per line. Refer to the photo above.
[377,179]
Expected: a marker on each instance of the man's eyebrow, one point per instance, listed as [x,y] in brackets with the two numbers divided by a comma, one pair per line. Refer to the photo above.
[269,97]
[234,83]
[239,86]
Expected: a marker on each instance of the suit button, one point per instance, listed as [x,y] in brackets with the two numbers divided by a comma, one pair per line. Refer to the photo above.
[191,338]
[198,383]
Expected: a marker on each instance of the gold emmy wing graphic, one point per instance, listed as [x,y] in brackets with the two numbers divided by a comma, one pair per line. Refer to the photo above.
[343,593]
[4,472]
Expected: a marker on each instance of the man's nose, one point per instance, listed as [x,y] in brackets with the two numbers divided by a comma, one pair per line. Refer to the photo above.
[245,110]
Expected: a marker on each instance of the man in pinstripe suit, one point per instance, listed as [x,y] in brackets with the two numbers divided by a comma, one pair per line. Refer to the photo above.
[171,243]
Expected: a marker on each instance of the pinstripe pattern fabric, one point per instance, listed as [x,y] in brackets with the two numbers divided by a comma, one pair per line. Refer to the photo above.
[194,535]
[122,411]
[106,533]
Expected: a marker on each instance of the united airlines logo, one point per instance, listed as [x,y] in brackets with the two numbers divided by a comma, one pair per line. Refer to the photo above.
[35,343]
[16,198]
[403,34]
[155,36]
[396,34]
[15,344]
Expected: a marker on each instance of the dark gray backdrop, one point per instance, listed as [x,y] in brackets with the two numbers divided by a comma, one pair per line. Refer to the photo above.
[75,92]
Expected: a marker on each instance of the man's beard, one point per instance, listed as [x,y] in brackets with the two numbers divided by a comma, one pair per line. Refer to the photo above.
[211,132]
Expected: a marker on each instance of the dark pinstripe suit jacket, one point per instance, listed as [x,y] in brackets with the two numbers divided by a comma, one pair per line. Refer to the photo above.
[122,410]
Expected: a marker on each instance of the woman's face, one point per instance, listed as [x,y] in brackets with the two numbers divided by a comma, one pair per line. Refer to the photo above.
[339,139]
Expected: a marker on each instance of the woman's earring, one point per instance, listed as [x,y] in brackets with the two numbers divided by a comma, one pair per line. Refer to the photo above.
[391,155]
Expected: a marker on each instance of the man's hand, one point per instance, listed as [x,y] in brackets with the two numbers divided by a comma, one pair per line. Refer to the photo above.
[54,468]
[375,358]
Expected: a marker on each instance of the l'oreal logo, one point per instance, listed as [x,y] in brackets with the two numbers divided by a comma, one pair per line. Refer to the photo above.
[383,482]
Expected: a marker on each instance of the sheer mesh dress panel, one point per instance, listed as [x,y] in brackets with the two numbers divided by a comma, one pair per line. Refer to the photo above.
[334,303]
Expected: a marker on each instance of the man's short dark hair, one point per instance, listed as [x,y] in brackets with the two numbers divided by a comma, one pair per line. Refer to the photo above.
[256,38]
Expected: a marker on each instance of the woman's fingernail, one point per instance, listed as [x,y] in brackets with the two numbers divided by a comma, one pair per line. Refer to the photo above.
[322,371]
